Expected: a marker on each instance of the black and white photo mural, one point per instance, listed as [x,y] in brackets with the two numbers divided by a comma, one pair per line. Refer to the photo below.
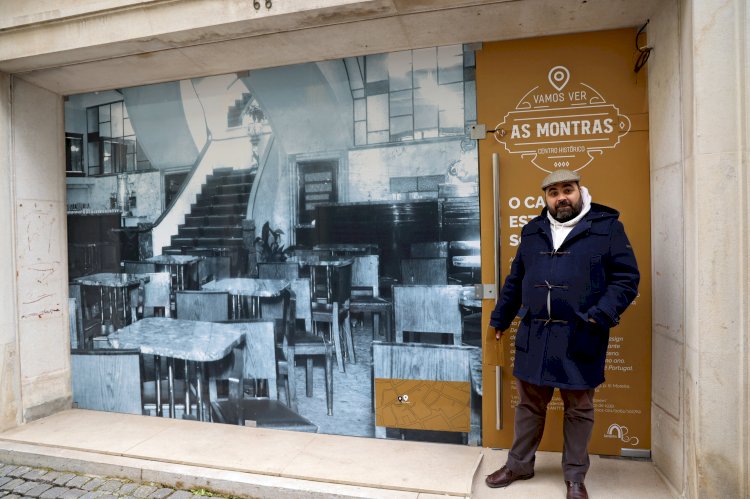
[293,247]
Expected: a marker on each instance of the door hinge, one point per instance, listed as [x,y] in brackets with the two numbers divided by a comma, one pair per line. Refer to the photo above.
[485,291]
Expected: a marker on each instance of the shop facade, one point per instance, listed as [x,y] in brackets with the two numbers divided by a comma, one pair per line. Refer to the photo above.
[697,143]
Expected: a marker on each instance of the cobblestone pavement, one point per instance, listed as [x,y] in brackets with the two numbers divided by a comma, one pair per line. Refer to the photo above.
[41,483]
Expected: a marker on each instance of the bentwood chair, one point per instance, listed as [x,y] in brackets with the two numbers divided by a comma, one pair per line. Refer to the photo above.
[332,307]
[366,293]
[302,343]
[295,340]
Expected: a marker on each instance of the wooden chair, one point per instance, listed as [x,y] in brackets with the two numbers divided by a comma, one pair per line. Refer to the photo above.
[288,271]
[299,341]
[214,267]
[438,249]
[302,343]
[337,314]
[427,310]
[106,380]
[211,306]
[256,362]
[156,295]
[152,291]
[403,368]
[75,323]
[366,293]
[110,380]
[86,325]
[424,271]
[303,302]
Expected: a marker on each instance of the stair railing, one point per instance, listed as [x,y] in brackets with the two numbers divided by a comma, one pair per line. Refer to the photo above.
[174,215]
[258,175]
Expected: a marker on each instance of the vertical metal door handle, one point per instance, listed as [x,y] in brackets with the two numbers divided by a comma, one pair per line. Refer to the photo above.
[498,398]
[496,244]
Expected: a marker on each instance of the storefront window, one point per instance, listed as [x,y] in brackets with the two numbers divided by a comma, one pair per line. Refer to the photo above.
[429,93]
[313,188]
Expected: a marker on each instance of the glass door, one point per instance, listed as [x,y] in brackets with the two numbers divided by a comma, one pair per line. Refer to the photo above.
[569,102]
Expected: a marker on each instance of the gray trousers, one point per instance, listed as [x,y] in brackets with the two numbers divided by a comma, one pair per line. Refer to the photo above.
[531,412]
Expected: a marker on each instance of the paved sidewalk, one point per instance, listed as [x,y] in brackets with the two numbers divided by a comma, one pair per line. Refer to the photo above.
[42,483]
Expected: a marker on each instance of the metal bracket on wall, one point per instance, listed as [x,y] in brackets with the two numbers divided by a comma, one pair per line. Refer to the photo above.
[485,291]
[478,131]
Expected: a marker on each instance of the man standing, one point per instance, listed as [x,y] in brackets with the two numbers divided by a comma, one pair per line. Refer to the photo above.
[573,276]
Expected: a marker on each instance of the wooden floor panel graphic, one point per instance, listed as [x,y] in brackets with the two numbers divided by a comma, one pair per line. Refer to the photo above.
[423,405]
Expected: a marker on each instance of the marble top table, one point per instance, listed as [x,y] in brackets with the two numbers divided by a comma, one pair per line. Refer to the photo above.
[174,259]
[196,341]
[349,248]
[111,280]
[255,289]
[245,286]
[192,341]
[176,265]
[321,262]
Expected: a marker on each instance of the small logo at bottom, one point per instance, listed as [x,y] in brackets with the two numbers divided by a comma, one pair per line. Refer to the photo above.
[621,432]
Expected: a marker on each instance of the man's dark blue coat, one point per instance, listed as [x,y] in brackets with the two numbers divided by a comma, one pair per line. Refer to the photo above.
[593,274]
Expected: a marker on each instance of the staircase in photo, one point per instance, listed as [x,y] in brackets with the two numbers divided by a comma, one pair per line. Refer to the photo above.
[214,225]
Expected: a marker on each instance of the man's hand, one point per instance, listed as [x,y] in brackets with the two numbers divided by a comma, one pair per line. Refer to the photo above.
[498,334]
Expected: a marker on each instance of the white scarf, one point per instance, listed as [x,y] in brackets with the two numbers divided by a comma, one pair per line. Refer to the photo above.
[560,230]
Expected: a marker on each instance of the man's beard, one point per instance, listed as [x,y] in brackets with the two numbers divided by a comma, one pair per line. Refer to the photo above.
[565,211]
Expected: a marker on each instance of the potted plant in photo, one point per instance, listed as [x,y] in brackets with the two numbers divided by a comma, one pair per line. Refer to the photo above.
[268,247]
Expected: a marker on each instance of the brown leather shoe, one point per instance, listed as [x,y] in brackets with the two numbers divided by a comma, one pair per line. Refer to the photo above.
[504,477]
[576,490]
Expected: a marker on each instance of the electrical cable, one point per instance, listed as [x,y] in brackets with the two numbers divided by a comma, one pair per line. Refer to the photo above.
[644,52]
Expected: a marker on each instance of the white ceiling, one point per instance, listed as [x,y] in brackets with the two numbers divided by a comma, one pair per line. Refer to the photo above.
[72,53]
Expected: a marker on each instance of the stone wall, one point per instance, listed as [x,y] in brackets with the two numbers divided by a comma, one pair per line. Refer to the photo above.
[10,388]
[668,245]
[41,261]
[698,98]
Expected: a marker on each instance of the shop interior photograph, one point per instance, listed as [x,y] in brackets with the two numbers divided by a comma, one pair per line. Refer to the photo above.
[281,248]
